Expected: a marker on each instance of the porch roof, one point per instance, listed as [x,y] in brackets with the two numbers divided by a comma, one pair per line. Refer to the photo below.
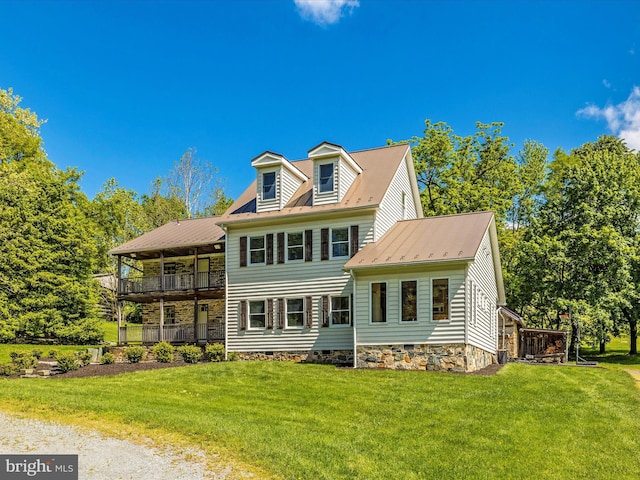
[177,237]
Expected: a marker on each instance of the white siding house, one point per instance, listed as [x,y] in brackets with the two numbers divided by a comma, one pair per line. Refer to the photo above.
[330,260]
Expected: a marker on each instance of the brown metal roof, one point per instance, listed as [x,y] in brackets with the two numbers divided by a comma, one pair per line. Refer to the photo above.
[426,240]
[378,168]
[194,232]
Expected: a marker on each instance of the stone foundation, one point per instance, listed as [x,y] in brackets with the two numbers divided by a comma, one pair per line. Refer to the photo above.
[330,357]
[447,358]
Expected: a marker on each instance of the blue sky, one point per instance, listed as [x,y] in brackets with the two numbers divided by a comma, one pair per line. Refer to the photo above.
[127,87]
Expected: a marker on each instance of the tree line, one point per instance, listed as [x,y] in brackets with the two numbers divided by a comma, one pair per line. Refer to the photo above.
[53,239]
[568,224]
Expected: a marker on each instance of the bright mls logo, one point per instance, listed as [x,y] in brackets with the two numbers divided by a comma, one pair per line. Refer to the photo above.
[49,467]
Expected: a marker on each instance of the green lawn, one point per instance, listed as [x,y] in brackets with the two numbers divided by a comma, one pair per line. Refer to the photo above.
[314,422]
[616,355]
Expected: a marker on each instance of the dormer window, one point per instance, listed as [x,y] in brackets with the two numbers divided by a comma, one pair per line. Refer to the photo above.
[269,186]
[326,178]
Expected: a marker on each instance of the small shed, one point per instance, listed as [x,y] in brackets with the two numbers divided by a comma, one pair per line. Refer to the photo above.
[509,325]
[542,345]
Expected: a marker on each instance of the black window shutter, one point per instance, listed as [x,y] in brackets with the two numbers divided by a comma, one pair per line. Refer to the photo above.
[270,313]
[325,310]
[281,247]
[324,244]
[308,245]
[351,309]
[242,314]
[269,248]
[281,313]
[354,240]
[243,251]
[308,312]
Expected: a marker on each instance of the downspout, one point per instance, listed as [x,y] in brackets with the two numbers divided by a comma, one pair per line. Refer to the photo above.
[353,320]
[226,292]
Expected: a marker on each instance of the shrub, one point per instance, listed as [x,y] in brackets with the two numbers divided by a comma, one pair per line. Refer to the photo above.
[37,353]
[67,361]
[107,358]
[13,354]
[163,352]
[134,354]
[53,353]
[190,353]
[214,352]
[84,358]
[8,369]
[24,360]
[233,356]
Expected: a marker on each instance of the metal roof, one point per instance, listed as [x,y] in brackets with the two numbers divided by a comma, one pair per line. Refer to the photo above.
[426,240]
[178,234]
[379,165]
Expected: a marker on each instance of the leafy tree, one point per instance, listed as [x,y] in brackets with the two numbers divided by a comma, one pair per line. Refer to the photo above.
[196,184]
[160,209]
[118,217]
[46,248]
[465,174]
[580,250]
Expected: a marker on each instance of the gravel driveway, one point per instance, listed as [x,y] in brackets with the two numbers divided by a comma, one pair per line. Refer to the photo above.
[99,457]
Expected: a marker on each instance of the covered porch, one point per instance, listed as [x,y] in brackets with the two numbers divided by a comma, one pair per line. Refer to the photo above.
[176,272]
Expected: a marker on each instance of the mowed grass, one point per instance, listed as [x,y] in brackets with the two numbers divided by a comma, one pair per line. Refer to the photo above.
[318,422]
[616,354]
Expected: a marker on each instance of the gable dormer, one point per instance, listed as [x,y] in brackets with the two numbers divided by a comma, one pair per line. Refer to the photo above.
[333,173]
[277,181]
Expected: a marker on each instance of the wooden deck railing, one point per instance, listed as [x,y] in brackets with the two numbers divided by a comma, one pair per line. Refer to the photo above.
[174,282]
[149,334]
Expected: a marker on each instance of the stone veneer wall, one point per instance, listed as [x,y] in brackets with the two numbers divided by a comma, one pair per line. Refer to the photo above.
[184,311]
[449,358]
[331,357]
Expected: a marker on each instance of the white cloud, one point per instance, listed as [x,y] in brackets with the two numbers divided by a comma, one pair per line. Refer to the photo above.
[622,119]
[606,83]
[325,12]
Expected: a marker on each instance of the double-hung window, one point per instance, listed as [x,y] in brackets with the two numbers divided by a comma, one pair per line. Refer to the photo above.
[169,314]
[295,312]
[340,311]
[378,302]
[326,178]
[440,298]
[339,242]
[295,246]
[256,250]
[257,314]
[409,301]
[269,185]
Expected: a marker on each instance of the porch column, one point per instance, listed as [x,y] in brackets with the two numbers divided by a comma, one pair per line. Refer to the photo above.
[119,316]
[162,270]
[196,283]
[161,333]
[118,302]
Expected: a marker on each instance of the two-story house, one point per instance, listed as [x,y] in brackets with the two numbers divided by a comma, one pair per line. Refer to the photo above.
[328,259]
[176,272]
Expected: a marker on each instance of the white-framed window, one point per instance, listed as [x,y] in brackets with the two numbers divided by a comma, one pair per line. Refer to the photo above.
[325,180]
[268,185]
[409,301]
[257,314]
[295,246]
[295,312]
[339,242]
[378,300]
[440,304]
[341,311]
[169,314]
[256,250]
